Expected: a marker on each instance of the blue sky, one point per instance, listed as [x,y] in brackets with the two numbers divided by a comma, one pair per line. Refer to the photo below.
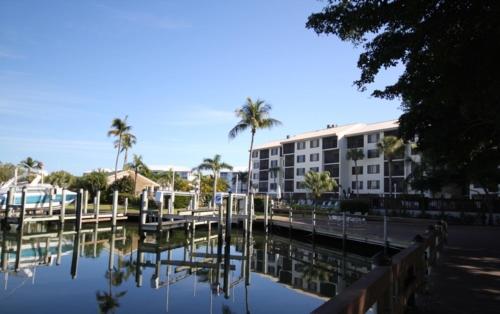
[178,69]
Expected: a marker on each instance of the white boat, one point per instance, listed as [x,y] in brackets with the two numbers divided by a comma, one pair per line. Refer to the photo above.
[38,194]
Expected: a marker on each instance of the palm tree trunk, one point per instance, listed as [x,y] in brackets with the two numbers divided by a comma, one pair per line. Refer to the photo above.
[125,158]
[118,156]
[357,180]
[215,189]
[249,179]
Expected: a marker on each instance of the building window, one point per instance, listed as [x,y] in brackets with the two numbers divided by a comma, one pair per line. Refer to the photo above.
[359,168]
[255,154]
[256,165]
[371,169]
[255,176]
[314,169]
[301,145]
[314,157]
[274,151]
[329,142]
[274,163]
[373,138]
[271,174]
[331,156]
[301,171]
[373,153]
[314,143]
[272,186]
[354,185]
[301,158]
[300,185]
[373,184]
[355,141]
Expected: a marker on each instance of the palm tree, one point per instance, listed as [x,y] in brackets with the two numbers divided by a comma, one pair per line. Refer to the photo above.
[318,183]
[253,116]
[128,140]
[215,165]
[118,128]
[137,165]
[355,155]
[30,163]
[390,146]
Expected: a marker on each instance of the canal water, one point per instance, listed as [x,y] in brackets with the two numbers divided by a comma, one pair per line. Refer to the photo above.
[46,270]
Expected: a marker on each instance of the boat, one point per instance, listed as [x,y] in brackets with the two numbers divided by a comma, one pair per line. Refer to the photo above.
[39,195]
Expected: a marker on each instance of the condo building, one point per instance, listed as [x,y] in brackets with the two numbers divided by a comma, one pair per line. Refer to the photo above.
[280,166]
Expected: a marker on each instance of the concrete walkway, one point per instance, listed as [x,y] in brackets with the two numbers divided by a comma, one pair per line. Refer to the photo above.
[467,278]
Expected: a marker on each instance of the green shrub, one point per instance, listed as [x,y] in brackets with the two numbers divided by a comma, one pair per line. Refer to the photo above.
[258,204]
[182,201]
[355,205]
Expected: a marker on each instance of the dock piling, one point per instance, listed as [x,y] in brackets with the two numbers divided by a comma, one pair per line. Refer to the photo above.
[51,202]
[97,204]
[114,209]
[23,209]
[63,206]
[266,209]
[85,201]
[78,221]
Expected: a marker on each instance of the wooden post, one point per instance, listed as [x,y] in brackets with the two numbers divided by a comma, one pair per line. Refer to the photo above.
[126,206]
[143,209]
[229,218]
[23,209]
[78,221]
[114,209]
[245,210]
[63,206]
[252,206]
[51,202]
[266,209]
[98,205]
[160,212]
[85,201]
[290,217]
[9,202]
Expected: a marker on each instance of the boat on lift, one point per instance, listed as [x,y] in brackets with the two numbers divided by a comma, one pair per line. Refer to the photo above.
[38,194]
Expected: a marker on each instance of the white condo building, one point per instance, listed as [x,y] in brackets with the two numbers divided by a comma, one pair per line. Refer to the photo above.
[325,150]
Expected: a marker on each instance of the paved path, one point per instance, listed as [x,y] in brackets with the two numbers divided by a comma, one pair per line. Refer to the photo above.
[467,278]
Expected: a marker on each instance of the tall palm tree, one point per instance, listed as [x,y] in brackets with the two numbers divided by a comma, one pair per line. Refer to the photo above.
[128,140]
[118,128]
[215,165]
[390,146]
[137,165]
[30,163]
[253,116]
[355,155]
[318,183]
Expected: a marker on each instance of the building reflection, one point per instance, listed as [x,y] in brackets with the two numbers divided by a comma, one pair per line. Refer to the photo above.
[214,263]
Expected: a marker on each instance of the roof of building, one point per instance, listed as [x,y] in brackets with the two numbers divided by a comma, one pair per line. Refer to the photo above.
[268,145]
[141,180]
[378,126]
[336,130]
[348,129]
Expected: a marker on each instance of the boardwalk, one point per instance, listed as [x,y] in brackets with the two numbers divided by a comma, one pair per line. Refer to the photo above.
[467,279]
[401,232]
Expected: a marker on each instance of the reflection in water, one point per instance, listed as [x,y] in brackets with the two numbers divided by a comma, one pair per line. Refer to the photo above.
[238,268]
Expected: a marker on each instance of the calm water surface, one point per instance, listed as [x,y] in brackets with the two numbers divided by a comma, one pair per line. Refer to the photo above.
[102,271]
